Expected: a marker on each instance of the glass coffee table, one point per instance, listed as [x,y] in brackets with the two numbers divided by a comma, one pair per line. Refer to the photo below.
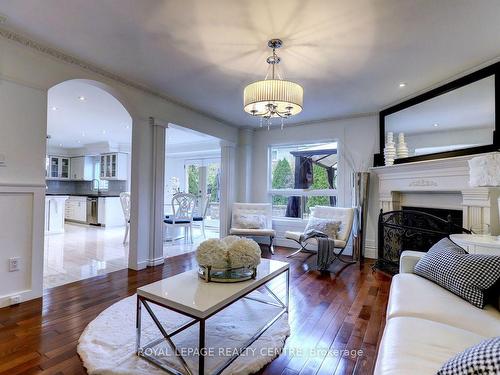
[188,295]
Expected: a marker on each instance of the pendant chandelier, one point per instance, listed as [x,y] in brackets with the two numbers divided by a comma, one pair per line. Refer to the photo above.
[273,98]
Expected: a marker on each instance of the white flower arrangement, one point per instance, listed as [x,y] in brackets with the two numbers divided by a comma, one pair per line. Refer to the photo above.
[213,253]
[230,252]
[244,252]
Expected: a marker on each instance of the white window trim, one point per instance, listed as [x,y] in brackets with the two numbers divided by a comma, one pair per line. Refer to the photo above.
[304,192]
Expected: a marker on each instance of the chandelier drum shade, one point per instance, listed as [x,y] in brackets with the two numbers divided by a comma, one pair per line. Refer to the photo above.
[273,97]
[285,95]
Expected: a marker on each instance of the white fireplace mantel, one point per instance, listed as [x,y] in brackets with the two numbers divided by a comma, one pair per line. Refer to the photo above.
[449,175]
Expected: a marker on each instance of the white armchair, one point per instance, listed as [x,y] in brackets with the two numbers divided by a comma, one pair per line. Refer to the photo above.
[344,215]
[253,220]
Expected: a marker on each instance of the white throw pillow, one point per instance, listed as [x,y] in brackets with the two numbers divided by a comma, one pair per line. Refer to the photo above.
[249,221]
[328,226]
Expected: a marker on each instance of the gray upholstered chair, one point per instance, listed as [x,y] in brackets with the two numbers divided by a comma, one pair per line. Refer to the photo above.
[253,220]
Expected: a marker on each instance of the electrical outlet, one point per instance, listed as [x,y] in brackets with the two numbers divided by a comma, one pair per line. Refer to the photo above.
[14,264]
[14,300]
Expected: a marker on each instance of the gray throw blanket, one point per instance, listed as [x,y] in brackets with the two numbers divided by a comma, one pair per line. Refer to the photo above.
[325,248]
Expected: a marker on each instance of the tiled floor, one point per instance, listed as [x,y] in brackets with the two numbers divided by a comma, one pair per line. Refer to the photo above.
[81,252]
[171,249]
[85,251]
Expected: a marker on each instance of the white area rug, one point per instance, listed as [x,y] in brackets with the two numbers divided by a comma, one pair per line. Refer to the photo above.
[107,345]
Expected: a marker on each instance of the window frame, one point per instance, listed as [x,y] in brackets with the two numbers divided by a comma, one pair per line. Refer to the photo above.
[289,192]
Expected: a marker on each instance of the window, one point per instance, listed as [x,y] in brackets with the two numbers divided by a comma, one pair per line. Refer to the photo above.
[302,177]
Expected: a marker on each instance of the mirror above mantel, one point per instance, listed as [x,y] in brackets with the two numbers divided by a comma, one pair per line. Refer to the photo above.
[458,118]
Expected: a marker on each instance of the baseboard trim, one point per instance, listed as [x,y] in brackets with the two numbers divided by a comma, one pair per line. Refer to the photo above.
[371,252]
[25,295]
[155,262]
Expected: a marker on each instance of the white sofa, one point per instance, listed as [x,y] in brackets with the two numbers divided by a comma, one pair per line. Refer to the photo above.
[426,325]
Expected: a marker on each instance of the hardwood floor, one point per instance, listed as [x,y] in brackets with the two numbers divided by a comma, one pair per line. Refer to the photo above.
[343,311]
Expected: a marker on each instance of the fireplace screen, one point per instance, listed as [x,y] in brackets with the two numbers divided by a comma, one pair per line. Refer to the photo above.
[409,230]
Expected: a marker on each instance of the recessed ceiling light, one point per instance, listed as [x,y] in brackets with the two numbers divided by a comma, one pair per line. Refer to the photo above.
[54,108]
[104,132]
[81,98]
[435,124]
[402,84]
[128,126]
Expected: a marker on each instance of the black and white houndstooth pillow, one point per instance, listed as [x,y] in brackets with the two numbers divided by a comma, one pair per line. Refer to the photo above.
[467,275]
[483,359]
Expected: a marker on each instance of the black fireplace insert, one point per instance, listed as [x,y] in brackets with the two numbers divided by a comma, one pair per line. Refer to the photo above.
[409,230]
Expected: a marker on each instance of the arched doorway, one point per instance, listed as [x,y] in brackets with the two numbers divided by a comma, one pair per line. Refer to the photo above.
[88,167]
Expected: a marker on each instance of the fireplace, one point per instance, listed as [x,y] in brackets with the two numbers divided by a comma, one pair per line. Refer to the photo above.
[409,229]
[455,216]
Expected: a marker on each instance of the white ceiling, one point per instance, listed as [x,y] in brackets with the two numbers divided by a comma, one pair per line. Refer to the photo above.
[75,123]
[348,55]
[177,135]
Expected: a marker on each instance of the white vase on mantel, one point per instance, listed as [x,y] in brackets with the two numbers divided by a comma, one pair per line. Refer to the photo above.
[390,149]
[402,148]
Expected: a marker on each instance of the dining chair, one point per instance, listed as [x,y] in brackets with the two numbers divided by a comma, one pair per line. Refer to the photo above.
[182,208]
[125,202]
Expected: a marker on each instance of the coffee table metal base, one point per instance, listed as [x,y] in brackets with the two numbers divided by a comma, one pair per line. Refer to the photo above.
[143,350]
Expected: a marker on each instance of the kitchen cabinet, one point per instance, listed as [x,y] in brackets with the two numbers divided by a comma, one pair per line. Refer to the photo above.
[110,212]
[76,209]
[58,168]
[82,168]
[54,213]
[114,166]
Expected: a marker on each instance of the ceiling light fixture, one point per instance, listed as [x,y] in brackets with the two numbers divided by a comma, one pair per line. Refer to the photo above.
[81,98]
[435,124]
[402,84]
[273,97]
[54,108]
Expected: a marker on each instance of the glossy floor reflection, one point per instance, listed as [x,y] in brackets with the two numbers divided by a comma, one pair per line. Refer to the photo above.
[81,252]
[85,251]
[178,247]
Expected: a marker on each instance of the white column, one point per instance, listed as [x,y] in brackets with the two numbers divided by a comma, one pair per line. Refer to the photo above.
[228,185]
[245,165]
[480,206]
[158,196]
[390,201]
[140,193]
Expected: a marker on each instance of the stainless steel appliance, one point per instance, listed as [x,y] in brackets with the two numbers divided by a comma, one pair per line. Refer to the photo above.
[92,211]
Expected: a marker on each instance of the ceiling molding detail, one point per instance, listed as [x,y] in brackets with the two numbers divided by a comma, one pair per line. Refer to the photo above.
[68,59]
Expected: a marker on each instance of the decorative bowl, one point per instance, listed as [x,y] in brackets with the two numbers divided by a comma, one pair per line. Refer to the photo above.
[226,275]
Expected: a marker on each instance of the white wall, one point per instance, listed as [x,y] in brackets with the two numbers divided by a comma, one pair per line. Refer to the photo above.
[358,141]
[27,71]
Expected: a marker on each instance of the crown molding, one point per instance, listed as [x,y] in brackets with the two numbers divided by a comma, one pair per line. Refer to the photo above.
[68,59]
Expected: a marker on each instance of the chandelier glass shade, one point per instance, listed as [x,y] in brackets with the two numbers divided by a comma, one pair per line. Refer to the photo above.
[273,97]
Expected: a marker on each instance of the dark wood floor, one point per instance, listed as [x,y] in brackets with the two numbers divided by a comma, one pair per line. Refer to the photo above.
[337,311]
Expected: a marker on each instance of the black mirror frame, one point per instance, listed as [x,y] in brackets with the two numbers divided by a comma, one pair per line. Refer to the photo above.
[490,70]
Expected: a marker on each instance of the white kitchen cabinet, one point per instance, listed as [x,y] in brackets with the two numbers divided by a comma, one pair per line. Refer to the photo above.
[76,209]
[114,166]
[54,213]
[82,168]
[110,212]
[58,168]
